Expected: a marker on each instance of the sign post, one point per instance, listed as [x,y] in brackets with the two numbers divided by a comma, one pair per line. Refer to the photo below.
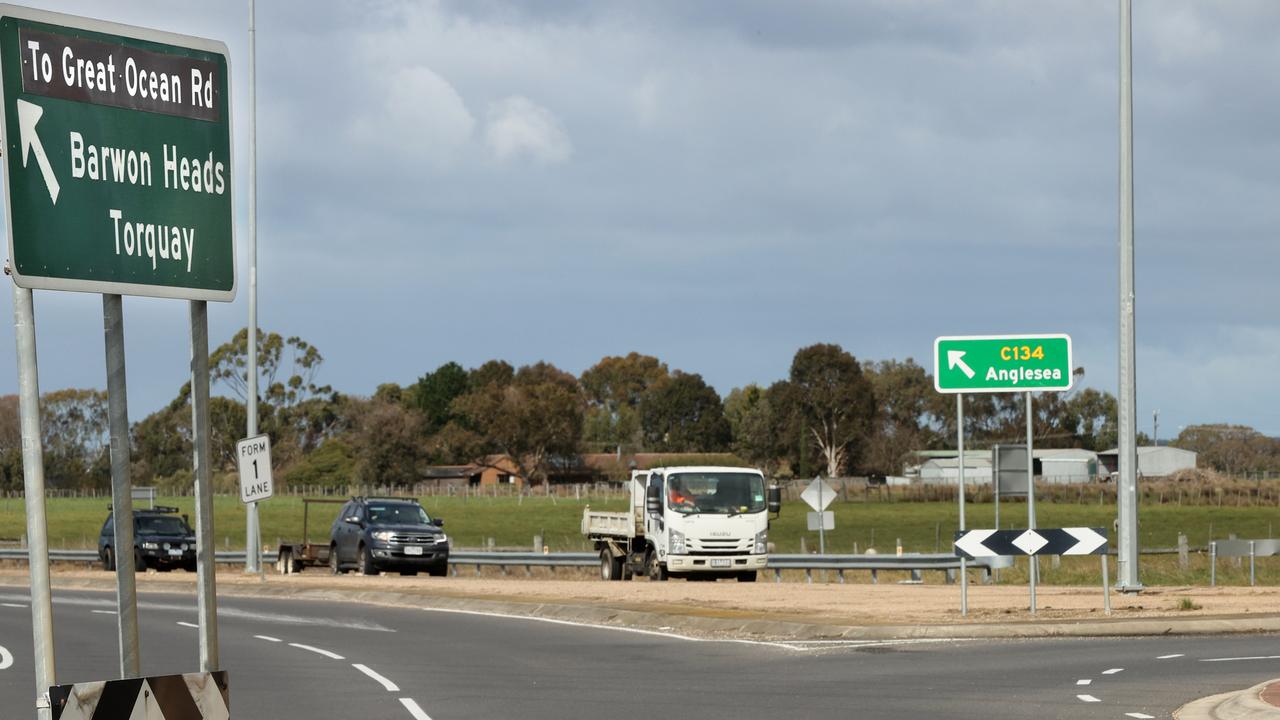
[117,180]
[994,364]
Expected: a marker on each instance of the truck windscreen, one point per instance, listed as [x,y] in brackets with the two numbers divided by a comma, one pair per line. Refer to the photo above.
[715,493]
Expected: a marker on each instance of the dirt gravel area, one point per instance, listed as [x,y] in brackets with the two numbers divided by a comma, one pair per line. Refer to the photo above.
[828,604]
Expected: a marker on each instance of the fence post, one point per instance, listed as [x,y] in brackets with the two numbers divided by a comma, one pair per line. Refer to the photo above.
[1252,556]
[1184,559]
[1213,563]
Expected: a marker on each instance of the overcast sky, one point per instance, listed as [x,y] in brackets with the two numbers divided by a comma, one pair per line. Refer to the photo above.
[720,183]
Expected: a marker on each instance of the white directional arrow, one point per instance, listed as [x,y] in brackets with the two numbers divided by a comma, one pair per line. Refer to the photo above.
[28,115]
[1030,542]
[1087,540]
[954,358]
[971,543]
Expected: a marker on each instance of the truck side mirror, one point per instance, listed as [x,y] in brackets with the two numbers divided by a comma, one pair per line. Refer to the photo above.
[775,499]
[653,499]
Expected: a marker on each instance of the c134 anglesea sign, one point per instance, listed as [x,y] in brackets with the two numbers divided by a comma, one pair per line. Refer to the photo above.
[118,158]
[1002,363]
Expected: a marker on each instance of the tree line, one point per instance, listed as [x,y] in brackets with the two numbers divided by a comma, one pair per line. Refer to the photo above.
[832,414]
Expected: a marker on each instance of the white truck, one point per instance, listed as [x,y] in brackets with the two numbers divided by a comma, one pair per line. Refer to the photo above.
[700,523]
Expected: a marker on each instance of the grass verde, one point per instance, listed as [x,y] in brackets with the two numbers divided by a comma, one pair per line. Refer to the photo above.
[921,527]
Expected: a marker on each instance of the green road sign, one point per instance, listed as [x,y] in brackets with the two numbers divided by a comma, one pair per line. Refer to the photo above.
[117,158]
[1002,363]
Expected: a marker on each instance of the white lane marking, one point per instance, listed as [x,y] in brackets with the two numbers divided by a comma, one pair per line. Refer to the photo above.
[1140,716]
[1252,657]
[1085,681]
[794,645]
[1087,698]
[317,651]
[268,638]
[390,686]
[103,612]
[413,709]
[1112,671]
[187,624]
[17,605]
[1168,657]
[5,658]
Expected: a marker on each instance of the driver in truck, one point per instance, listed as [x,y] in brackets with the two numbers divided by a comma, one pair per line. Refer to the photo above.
[679,495]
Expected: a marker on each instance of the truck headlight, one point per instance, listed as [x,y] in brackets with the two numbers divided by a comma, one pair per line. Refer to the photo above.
[677,542]
[150,546]
[383,535]
[762,542]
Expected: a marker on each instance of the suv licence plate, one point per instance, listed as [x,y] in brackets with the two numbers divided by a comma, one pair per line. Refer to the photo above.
[413,550]
[175,552]
[721,562]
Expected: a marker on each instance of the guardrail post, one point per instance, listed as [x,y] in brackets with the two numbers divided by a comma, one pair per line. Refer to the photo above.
[808,575]
[1213,564]
[1252,556]
[875,579]
[840,574]
[951,576]
[777,575]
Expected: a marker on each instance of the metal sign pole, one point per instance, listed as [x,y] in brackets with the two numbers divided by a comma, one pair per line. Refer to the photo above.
[964,574]
[206,593]
[822,525]
[253,540]
[24,324]
[121,487]
[1033,563]
[1106,585]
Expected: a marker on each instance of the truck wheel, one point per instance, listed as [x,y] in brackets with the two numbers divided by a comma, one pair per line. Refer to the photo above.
[747,576]
[366,561]
[610,566]
[108,559]
[284,565]
[657,571]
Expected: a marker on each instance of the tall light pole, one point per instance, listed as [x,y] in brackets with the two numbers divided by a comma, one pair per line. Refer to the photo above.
[1127,493]
[252,543]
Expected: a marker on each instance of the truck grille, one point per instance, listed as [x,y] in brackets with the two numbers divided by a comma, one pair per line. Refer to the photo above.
[719,546]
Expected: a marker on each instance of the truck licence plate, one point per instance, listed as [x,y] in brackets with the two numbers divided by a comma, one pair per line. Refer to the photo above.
[413,550]
[721,562]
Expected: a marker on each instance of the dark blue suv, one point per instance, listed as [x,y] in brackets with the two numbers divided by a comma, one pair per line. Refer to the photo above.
[162,539]
[376,534]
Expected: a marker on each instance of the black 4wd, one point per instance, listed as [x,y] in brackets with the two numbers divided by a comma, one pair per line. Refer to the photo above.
[375,534]
[162,539]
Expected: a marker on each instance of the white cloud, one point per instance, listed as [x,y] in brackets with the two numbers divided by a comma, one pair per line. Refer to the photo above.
[518,126]
[421,116]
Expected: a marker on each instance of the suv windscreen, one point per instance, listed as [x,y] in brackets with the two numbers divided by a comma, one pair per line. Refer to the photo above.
[397,514]
[162,525]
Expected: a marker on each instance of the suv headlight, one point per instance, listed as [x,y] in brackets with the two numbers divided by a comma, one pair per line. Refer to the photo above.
[150,546]
[442,539]
[677,542]
[383,535]
[762,542]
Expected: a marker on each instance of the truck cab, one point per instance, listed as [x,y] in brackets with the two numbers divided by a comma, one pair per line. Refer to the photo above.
[695,522]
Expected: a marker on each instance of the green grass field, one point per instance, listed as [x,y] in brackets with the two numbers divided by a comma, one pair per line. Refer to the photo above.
[921,527]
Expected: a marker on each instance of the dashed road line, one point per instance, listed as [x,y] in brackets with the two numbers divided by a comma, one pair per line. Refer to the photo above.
[417,712]
[268,638]
[318,651]
[103,612]
[390,686]
[1112,671]
[1140,716]
[1087,698]
[6,659]
[1167,657]
[1084,681]
[1252,657]
[187,624]
[13,605]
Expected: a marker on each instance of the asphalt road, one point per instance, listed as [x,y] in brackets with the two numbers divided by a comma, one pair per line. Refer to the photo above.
[308,660]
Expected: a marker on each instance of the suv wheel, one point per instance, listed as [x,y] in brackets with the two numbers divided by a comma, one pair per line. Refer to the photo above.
[366,561]
[139,562]
[108,559]
[333,560]
[440,570]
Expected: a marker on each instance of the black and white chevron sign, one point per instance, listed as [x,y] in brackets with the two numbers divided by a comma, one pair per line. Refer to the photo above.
[193,696]
[1042,541]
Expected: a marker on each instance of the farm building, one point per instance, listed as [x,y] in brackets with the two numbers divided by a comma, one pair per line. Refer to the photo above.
[1153,461]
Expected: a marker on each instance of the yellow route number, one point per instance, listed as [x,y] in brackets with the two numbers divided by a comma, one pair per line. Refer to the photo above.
[1021,352]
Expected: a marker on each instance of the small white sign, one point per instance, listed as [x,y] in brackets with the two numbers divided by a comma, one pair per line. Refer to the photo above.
[825,520]
[253,456]
[819,495]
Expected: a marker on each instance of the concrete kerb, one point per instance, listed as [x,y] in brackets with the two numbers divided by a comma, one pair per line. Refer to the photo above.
[1239,705]
[756,628]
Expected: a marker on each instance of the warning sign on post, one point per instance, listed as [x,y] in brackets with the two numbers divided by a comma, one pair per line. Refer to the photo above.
[253,455]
